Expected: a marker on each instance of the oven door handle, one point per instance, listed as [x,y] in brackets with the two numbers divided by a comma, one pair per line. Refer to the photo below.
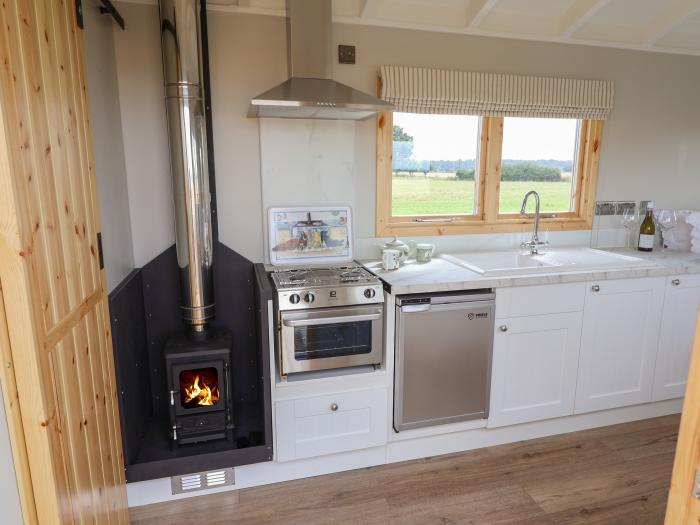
[292,323]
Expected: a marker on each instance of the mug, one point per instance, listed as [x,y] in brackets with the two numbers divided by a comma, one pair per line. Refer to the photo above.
[424,252]
[391,259]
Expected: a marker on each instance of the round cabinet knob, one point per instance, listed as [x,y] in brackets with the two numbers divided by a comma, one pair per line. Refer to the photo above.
[503,328]
[294,298]
[309,297]
[334,407]
[676,282]
[595,288]
[370,293]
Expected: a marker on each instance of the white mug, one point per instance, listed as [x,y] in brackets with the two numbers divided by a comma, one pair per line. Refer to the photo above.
[424,252]
[391,259]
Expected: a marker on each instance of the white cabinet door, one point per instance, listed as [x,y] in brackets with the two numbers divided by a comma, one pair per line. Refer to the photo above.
[676,339]
[315,426]
[621,322]
[534,368]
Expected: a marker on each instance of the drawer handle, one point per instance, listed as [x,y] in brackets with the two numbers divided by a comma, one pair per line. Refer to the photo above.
[503,328]
[676,282]
[334,407]
[595,288]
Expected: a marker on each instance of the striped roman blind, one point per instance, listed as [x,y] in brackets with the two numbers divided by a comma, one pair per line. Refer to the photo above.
[424,90]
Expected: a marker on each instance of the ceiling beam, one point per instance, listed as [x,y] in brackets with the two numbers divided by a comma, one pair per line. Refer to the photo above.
[666,22]
[578,14]
[476,11]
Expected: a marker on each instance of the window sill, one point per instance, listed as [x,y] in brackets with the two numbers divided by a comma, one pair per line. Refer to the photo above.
[504,225]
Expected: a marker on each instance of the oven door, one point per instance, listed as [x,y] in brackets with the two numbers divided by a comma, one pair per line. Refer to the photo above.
[331,338]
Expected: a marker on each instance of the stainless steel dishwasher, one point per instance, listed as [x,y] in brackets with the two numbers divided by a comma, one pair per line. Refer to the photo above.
[443,358]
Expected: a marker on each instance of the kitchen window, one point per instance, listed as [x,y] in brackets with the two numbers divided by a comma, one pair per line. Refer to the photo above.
[448,164]
[434,161]
[539,154]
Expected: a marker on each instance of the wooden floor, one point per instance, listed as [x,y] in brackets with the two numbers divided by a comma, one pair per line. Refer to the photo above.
[612,475]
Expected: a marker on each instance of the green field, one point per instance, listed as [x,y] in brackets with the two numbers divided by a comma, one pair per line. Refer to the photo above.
[426,195]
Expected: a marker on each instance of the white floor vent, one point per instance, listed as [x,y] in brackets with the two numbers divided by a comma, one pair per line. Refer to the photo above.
[202,480]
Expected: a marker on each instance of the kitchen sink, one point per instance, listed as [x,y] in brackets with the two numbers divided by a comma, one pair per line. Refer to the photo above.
[561,260]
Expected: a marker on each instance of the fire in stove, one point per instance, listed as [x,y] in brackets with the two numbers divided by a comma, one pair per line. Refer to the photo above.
[199,387]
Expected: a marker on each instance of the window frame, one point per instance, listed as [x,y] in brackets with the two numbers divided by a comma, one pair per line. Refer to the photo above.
[487,218]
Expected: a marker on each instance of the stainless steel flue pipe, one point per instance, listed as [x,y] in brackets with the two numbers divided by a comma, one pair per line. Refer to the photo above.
[182,67]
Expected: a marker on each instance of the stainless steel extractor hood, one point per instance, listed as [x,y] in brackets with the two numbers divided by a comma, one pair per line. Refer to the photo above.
[311,92]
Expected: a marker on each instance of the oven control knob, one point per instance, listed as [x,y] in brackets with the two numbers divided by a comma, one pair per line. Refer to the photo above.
[309,297]
[370,293]
[294,298]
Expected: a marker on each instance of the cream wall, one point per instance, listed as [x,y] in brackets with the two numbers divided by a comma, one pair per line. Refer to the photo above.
[108,146]
[651,145]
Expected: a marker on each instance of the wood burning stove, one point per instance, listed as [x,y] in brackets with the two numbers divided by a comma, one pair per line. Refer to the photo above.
[199,388]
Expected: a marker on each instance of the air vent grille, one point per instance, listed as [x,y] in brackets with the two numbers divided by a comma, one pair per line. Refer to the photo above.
[202,480]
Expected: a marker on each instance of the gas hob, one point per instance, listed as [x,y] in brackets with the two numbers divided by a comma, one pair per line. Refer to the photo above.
[302,288]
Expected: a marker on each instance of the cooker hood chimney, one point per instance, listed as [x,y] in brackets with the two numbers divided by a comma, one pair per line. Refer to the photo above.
[311,92]
[182,68]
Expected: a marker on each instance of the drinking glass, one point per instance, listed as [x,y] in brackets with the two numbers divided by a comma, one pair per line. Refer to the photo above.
[631,221]
[666,220]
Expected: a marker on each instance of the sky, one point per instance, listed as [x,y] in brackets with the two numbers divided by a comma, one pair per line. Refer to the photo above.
[452,137]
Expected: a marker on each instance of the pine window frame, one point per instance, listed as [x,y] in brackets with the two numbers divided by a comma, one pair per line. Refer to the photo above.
[486,217]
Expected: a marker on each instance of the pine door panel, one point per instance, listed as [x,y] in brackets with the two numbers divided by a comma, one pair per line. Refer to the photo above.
[683,507]
[53,288]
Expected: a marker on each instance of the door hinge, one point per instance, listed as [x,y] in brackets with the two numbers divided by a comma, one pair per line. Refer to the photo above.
[79,13]
[696,486]
[100,253]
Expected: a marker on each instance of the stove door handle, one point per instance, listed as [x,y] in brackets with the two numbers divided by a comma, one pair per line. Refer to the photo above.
[293,323]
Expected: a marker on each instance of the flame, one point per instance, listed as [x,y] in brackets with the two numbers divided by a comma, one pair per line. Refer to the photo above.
[201,395]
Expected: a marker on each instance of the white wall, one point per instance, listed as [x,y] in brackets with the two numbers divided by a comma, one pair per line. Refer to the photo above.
[142,99]
[10,508]
[651,142]
[108,146]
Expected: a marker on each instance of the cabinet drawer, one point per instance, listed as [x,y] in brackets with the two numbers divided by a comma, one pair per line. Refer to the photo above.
[315,426]
[684,281]
[540,300]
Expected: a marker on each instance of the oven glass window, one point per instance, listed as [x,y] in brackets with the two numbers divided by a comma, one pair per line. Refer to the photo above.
[199,387]
[332,340]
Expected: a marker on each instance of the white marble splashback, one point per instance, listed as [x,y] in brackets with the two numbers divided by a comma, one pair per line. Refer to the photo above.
[306,162]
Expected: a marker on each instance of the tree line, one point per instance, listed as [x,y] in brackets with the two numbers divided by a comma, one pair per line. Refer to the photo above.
[511,169]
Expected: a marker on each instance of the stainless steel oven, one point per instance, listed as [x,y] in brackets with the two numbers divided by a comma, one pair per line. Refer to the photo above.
[324,338]
[328,317]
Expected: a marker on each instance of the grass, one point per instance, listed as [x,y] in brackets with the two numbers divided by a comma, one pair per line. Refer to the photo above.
[424,195]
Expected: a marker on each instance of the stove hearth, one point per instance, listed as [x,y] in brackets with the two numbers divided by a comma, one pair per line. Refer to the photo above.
[199,389]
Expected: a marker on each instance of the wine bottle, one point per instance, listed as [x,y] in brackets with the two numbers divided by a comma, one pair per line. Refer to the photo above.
[647,231]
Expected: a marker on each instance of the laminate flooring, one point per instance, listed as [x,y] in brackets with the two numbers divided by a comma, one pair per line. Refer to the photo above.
[611,475]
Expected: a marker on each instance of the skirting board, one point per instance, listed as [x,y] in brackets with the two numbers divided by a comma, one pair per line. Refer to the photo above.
[156,491]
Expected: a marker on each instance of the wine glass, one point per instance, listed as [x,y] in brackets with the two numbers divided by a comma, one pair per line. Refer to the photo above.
[666,220]
[630,220]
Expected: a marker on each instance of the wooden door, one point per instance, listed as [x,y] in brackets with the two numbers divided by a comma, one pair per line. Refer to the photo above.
[683,508]
[676,339]
[57,346]
[619,339]
[535,360]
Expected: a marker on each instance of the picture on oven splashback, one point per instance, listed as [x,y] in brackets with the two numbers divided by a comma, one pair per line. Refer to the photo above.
[310,235]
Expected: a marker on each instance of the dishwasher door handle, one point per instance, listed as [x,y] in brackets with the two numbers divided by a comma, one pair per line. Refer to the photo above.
[415,308]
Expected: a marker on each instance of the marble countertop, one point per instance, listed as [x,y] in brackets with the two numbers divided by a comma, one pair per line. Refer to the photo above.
[440,275]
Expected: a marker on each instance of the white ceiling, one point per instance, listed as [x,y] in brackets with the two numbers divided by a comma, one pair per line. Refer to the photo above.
[671,26]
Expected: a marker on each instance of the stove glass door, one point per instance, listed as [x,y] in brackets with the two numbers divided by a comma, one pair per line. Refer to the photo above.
[331,338]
